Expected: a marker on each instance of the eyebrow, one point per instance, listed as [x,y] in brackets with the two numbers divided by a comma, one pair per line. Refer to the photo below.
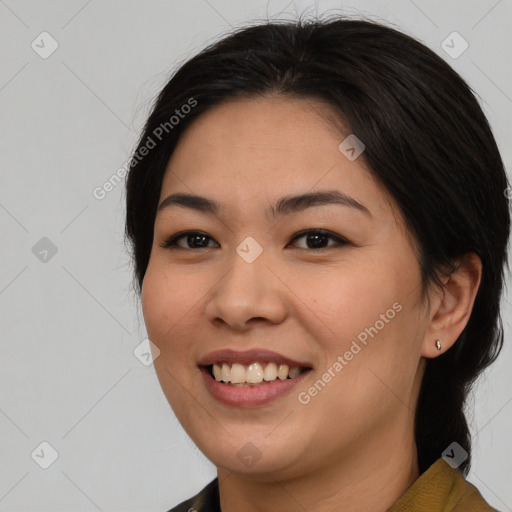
[285,205]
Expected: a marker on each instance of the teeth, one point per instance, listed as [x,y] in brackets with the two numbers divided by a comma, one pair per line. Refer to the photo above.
[294,372]
[256,373]
[224,374]
[282,373]
[270,372]
[237,374]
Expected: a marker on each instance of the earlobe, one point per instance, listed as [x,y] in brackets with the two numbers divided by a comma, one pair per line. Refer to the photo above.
[453,307]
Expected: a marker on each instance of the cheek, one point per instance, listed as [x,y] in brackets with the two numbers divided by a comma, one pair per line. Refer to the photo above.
[172,314]
[369,319]
[168,320]
[346,299]
[162,305]
[375,384]
[154,304]
[380,364]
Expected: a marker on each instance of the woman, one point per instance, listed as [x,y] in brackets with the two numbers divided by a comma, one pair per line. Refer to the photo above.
[318,220]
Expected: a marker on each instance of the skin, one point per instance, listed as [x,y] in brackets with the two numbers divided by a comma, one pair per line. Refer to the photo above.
[353,443]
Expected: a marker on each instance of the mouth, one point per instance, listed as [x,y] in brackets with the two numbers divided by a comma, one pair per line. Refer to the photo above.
[228,383]
[252,377]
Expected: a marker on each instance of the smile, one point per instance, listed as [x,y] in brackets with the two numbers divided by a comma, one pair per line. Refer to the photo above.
[250,394]
[250,378]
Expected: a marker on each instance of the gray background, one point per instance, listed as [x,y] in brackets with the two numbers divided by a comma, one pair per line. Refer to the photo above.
[70,320]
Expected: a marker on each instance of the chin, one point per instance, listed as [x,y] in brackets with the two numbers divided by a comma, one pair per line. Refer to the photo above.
[241,456]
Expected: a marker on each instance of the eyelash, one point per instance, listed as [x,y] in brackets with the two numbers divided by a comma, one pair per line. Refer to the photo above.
[171,242]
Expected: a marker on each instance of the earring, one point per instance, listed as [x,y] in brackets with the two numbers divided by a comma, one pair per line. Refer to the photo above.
[438,344]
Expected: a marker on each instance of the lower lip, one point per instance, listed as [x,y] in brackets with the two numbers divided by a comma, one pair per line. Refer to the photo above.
[250,396]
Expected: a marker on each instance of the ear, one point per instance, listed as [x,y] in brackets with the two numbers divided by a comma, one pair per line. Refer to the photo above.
[451,307]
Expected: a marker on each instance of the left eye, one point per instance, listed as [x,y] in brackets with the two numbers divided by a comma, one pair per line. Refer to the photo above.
[314,237]
[317,237]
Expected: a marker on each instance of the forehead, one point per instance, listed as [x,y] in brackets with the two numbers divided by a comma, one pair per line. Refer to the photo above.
[267,147]
[247,133]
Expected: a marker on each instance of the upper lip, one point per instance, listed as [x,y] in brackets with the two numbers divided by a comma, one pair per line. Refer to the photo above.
[250,356]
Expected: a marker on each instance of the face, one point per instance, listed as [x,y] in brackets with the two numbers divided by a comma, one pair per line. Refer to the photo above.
[332,286]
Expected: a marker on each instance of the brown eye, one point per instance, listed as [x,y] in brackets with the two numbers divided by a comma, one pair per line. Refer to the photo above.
[193,240]
[318,238]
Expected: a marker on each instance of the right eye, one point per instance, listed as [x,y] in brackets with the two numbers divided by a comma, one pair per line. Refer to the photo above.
[195,240]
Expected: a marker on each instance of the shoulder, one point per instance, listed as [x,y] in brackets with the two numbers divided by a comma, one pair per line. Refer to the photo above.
[465,497]
[206,500]
[442,488]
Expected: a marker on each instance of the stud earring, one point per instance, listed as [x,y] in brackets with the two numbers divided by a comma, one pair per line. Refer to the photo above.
[438,344]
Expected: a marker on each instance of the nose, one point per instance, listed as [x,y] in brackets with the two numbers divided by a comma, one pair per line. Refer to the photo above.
[248,293]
